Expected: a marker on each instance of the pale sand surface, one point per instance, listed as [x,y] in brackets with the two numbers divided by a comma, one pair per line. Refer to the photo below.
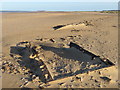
[100,38]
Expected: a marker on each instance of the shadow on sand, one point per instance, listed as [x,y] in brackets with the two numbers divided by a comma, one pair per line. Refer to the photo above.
[31,64]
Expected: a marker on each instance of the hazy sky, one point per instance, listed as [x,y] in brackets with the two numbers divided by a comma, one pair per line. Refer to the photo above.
[59,6]
[59,0]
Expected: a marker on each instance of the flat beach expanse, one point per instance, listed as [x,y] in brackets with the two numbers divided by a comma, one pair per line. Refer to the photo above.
[52,33]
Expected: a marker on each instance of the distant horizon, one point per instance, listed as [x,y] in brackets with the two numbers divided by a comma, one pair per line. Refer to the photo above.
[59,6]
[50,11]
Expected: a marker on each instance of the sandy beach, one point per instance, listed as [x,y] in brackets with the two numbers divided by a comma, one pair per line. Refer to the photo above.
[59,50]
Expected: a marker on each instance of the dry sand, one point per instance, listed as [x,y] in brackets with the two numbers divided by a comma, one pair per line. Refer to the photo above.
[57,65]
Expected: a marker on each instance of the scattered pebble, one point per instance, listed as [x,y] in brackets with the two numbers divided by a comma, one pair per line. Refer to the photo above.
[60,83]
[33,76]
[42,66]
[106,79]
[21,86]
[52,40]
[62,39]
[96,81]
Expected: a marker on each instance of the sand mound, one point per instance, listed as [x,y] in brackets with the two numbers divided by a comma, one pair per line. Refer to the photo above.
[73,25]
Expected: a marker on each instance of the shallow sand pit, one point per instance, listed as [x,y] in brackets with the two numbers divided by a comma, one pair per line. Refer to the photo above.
[51,62]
